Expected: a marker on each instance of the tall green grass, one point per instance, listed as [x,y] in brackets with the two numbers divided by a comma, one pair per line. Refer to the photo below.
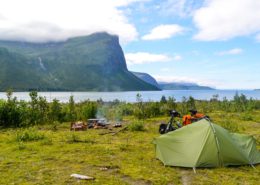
[136,126]
[29,134]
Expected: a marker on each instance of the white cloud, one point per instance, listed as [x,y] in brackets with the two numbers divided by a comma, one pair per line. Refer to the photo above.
[181,8]
[226,19]
[2,17]
[184,79]
[144,57]
[48,20]
[234,51]
[177,57]
[163,32]
[258,37]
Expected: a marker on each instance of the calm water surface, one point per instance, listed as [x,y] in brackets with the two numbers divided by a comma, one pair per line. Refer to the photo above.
[131,96]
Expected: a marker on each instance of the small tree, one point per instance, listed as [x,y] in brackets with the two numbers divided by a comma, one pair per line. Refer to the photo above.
[240,102]
[190,104]
[172,105]
[183,107]
[139,111]
[55,111]
[72,115]
[163,100]
[10,114]
[34,113]
[43,107]
[88,110]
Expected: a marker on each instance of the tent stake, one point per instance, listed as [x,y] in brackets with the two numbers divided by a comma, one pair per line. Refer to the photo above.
[252,166]
[194,170]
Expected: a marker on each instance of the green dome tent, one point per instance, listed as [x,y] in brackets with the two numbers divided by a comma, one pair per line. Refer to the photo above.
[204,144]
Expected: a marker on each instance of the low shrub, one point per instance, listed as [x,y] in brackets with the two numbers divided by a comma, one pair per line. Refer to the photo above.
[47,141]
[21,146]
[73,138]
[30,134]
[136,126]
[123,147]
[89,140]
[229,125]
[247,117]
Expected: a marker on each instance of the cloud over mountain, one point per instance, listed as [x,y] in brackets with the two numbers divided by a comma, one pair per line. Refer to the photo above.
[47,20]
[144,57]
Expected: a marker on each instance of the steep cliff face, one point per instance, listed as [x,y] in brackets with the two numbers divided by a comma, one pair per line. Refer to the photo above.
[88,63]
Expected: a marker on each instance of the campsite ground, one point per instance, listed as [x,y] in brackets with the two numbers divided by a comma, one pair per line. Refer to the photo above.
[49,155]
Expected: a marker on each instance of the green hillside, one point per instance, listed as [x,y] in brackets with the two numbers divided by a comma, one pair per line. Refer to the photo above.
[20,73]
[88,63]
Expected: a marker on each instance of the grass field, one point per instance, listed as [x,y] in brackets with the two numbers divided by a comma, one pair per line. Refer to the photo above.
[49,155]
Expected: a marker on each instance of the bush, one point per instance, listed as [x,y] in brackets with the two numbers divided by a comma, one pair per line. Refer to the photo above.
[10,112]
[123,147]
[247,117]
[73,138]
[230,126]
[136,126]
[30,134]
[47,141]
[88,110]
[21,146]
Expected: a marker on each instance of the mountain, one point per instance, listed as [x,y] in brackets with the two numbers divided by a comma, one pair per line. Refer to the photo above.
[88,63]
[147,78]
[170,86]
[182,86]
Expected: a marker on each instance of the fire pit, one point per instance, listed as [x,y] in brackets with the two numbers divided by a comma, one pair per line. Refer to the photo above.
[97,123]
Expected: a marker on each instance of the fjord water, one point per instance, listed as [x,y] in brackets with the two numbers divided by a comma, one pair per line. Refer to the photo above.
[130,96]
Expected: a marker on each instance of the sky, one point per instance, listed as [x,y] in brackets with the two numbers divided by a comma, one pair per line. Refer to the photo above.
[209,42]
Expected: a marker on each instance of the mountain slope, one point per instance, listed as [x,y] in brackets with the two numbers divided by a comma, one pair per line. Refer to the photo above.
[182,86]
[11,73]
[89,63]
[147,78]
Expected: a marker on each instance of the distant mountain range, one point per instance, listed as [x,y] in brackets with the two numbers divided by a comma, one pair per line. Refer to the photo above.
[172,85]
[88,63]
[182,86]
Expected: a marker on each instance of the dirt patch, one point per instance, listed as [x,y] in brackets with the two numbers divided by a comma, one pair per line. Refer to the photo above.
[132,181]
[129,180]
[186,177]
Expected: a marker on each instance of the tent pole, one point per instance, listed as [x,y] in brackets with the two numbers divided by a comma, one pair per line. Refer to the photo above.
[252,166]
[217,143]
[194,170]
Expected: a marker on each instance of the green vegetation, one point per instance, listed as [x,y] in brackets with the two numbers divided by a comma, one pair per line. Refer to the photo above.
[136,126]
[37,146]
[30,134]
[38,111]
[88,63]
